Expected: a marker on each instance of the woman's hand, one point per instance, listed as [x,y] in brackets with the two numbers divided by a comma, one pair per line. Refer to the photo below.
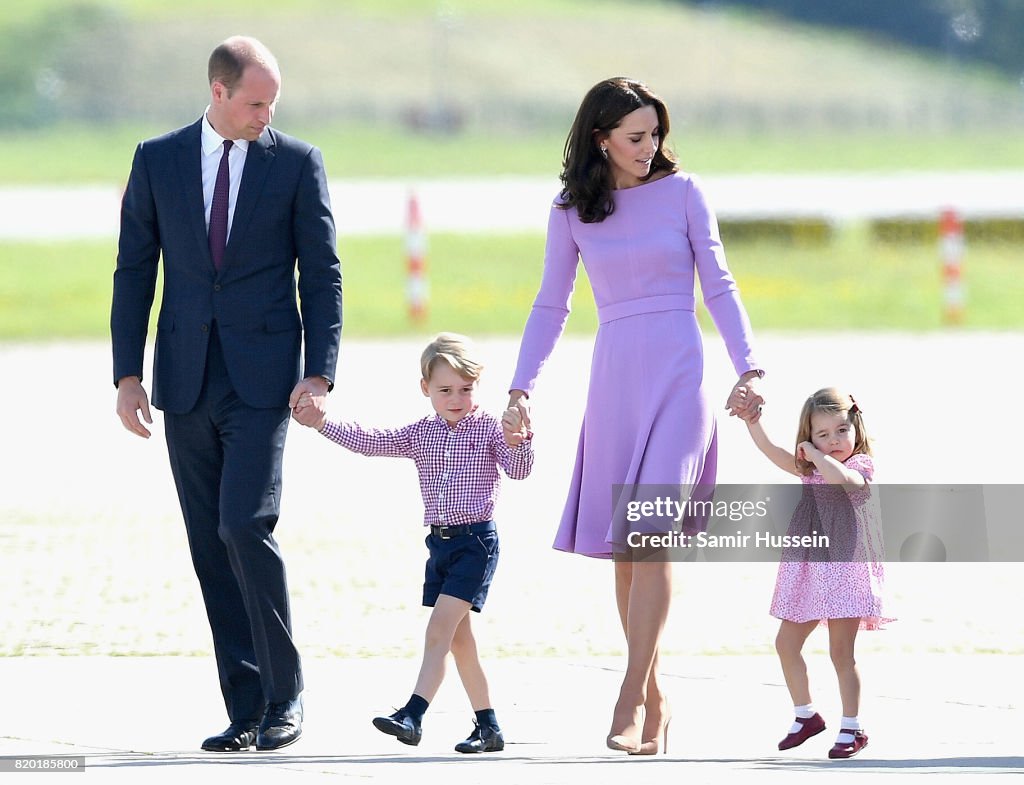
[745,401]
[516,400]
[512,425]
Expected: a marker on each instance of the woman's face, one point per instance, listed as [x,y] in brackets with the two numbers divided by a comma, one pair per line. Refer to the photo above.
[631,146]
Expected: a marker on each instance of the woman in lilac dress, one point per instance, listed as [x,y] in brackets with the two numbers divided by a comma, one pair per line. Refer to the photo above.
[644,231]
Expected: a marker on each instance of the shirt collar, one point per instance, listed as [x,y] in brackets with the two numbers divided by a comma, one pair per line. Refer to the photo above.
[462,424]
[212,141]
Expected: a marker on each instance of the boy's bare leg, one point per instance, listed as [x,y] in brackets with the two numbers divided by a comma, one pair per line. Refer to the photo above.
[467,661]
[448,614]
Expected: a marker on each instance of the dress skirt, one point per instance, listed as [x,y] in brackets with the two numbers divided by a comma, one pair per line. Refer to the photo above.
[647,422]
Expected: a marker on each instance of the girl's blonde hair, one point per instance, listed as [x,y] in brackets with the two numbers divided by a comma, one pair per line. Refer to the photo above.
[831,401]
[453,349]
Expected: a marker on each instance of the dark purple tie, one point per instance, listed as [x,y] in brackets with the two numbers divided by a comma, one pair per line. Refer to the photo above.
[219,209]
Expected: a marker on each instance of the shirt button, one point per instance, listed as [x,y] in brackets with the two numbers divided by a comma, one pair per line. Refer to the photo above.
[216,287]
[205,328]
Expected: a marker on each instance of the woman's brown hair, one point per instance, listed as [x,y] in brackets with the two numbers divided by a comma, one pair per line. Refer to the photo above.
[585,172]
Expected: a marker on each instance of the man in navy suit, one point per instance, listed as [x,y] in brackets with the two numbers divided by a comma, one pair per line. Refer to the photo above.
[227,365]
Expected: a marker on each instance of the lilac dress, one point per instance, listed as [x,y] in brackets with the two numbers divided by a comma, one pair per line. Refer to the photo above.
[647,420]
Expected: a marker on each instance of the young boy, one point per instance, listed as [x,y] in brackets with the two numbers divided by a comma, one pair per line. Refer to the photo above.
[457,453]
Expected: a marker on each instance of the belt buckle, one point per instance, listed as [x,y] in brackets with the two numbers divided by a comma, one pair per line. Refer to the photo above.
[443,533]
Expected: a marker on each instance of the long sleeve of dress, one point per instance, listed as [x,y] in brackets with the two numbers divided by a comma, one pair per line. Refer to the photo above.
[552,304]
[721,295]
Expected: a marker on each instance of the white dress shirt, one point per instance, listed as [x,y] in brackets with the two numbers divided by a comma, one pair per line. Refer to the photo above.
[213,149]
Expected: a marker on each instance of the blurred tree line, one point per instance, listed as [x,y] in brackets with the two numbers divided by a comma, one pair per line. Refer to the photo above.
[987,31]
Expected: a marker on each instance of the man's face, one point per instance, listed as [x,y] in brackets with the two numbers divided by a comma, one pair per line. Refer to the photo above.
[249,108]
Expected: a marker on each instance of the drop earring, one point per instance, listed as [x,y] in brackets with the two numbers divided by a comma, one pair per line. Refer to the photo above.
[604,152]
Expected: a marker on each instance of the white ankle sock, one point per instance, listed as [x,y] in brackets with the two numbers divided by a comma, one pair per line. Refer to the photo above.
[847,726]
[803,712]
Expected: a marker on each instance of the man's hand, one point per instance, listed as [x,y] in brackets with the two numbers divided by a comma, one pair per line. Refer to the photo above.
[313,389]
[309,411]
[131,399]
[314,385]
[308,402]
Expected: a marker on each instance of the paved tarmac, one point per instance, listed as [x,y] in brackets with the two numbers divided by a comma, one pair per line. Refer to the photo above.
[96,564]
[136,718]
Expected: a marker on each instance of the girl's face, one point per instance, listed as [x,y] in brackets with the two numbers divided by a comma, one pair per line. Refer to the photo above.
[833,434]
[631,146]
[452,396]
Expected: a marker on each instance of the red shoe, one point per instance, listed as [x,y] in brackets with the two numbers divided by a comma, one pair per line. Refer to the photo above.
[810,726]
[841,750]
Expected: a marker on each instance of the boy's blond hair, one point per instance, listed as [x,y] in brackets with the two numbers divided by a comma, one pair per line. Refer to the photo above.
[453,349]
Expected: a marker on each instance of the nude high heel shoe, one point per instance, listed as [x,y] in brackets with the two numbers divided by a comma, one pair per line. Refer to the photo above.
[624,742]
[660,741]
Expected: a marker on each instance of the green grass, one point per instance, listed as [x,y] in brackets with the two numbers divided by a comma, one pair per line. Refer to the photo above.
[484,285]
[857,284]
[747,94]
[103,155]
[22,10]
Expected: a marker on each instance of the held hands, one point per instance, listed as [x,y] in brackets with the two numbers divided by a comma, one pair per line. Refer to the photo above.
[131,399]
[745,401]
[309,398]
[515,423]
[309,411]
[518,399]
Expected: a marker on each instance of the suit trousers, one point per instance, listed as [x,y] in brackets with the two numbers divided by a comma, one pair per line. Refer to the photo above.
[226,460]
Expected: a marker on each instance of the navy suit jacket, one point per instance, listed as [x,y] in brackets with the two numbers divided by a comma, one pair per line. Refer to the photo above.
[282,221]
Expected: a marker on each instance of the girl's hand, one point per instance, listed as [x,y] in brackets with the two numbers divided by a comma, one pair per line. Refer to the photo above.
[806,451]
[745,401]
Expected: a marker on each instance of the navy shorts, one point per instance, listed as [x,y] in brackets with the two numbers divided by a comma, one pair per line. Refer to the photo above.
[461,566]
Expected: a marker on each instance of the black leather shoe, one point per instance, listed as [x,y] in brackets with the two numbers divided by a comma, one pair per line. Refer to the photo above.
[482,739]
[281,725]
[401,726]
[238,737]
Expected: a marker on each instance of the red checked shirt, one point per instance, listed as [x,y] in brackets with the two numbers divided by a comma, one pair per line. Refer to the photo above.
[458,467]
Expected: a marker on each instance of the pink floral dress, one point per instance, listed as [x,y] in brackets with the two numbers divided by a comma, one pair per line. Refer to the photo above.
[849,588]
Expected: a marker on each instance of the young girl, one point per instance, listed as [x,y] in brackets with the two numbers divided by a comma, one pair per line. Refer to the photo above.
[831,450]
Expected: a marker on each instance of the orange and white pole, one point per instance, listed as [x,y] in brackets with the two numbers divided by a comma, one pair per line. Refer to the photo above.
[416,251]
[951,245]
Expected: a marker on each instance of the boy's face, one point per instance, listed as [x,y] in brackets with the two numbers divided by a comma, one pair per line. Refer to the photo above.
[452,396]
